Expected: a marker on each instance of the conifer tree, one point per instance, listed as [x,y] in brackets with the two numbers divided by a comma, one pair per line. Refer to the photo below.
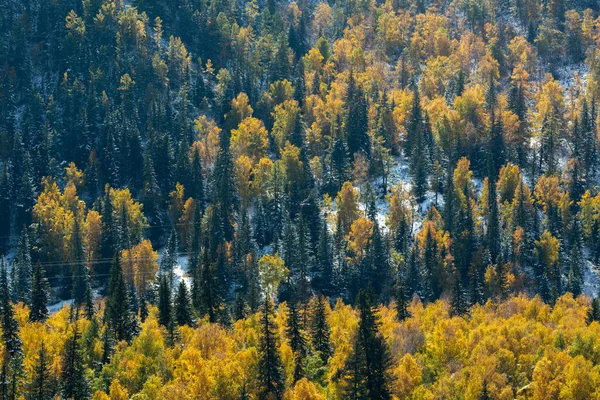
[413,278]
[593,313]
[575,274]
[183,307]
[367,371]
[12,363]
[493,239]
[319,329]
[165,305]
[224,195]
[296,339]
[458,303]
[74,381]
[41,386]
[169,258]
[357,122]
[118,308]
[270,368]
[39,295]
[323,281]
[402,299]
[22,270]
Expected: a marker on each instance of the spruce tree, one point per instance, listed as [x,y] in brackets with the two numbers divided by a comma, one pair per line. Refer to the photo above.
[296,339]
[41,386]
[270,368]
[169,257]
[319,329]
[22,270]
[367,371]
[76,275]
[39,295]
[458,302]
[183,306]
[118,308]
[576,274]
[323,281]
[74,382]
[357,121]
[165,306]
[12,363]
[402,299]
[593,313]
[224,195]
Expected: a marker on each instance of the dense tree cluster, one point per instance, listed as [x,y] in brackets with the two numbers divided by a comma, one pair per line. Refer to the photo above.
[234,168]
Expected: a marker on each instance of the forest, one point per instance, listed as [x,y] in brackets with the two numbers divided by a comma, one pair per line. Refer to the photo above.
[289,200]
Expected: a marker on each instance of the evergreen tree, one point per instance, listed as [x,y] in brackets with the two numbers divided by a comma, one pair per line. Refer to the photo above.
[165,306]
[357,121]
[458,302]
[413,278]
[296,339]
[74,382]
[118,308]
[485,394]
[183,306]
[224,195]
[575,276]
[493,239]
[22,270]
[12,363]
[270,368]
[319,329]
[367,371]
[593,313]
[323,281]
[39,295]
[78,276]
[402,299]
[41,386]
[340,158]
[169,258]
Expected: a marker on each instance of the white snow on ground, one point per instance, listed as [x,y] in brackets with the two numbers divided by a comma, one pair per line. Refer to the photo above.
[54,308]
[180,272]
[591,279]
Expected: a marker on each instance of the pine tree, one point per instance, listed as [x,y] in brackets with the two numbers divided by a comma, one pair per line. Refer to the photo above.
[319,329]
[22,270]
[224,195]
[270,368]
[165,306]
[41,386]
[357,121]
[296,339]
[323,281]
[593,313]
[380,274]
[118,308]
[414,129]
[458,302]
[39,295]
[493,239]
[402,300]
[183,306]
[413,278]
[12,363]
[169,258]
[74,382]
[367,371]
[485,394]
[340,158]
[575,275]
[78,274]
